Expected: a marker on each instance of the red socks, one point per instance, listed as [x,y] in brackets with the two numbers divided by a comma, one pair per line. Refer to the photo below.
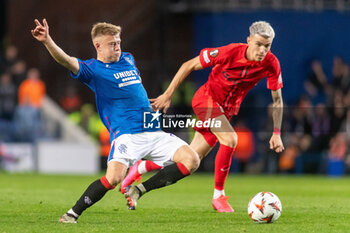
[106,184]
[222,165]
[150,166]
[183,169]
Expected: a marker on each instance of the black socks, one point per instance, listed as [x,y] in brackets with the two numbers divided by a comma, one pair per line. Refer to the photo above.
[166,176]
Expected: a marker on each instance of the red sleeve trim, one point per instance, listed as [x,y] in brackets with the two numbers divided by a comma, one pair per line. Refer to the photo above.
[204,59]
[89,63]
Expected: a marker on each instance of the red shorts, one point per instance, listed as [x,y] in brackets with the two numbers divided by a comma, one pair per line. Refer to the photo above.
[205,107]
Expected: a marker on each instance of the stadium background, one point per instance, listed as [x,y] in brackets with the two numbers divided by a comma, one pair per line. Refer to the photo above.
[163,34]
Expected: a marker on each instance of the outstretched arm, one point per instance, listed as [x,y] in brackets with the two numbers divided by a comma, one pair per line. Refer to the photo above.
[41,33]
[163,101]
[276,143]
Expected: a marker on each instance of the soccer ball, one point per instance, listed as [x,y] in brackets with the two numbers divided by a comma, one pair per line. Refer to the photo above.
[264,207]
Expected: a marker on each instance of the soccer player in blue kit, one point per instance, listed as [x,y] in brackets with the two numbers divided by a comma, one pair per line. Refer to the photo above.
[121,101]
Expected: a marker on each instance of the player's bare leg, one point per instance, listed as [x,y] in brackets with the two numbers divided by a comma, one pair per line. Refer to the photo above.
[200,145]
[228,141]
[96,190]
[186,161]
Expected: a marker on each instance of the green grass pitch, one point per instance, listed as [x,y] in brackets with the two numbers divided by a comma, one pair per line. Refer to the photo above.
[33,203]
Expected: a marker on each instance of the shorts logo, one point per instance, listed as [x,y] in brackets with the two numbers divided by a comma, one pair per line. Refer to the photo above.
[151,120]
[122,148]
[214,53]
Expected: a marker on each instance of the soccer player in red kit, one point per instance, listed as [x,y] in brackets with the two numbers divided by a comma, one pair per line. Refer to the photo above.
[237,68]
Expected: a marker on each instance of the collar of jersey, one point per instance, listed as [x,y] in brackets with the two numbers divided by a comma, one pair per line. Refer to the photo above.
[244,60]
[120,58]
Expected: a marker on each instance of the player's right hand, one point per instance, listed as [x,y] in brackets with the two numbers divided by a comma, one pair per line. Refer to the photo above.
[41,31]
[276,143]
[162,102]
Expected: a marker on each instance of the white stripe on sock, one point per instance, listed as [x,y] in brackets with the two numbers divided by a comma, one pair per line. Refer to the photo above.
[218,193]
[73,213]
[142,167]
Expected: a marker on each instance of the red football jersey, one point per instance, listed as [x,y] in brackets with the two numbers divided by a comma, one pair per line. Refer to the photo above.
[233,75]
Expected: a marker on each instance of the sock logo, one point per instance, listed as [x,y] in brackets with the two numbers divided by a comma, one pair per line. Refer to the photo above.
[168,183]
[87,200]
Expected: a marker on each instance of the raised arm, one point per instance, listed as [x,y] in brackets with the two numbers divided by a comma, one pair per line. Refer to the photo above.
[276,143]
[163,101]
[41,33]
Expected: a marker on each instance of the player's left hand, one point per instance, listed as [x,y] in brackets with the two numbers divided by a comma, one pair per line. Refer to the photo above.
[276,143]
[162,102]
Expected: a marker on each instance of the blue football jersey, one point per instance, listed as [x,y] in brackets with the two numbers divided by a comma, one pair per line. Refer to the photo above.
[121,99]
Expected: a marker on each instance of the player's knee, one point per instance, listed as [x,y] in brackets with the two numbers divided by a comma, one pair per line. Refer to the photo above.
[115,179]
[230,139]
[188,157]
[193,161]
[201,155]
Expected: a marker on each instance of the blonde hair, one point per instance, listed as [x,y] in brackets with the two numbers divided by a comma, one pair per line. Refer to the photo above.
[262,28]
[103,28]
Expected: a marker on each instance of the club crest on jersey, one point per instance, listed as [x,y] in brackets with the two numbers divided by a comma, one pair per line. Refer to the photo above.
[214,53]
[128,60]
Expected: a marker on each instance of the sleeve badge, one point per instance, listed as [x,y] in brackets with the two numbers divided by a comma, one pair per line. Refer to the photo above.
[214,53]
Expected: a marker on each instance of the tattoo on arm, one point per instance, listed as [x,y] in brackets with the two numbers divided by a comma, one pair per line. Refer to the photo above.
[277,112]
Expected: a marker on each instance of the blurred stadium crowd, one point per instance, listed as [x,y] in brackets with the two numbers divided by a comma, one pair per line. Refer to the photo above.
[21,94]
[316,127]
[21,101]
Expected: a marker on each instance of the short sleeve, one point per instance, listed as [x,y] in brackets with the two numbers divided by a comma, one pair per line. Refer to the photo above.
[213,56]
[85,72]
[274,76]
